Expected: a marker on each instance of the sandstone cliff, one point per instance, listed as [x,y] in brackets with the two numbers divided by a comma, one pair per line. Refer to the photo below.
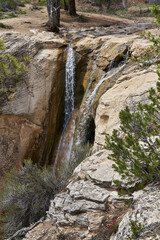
[31,125]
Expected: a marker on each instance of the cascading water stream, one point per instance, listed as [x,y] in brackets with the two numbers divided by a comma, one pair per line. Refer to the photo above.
[66,140]
[87,114]
[69,85]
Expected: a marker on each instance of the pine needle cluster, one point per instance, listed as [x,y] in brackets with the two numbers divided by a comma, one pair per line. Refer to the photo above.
[135,147]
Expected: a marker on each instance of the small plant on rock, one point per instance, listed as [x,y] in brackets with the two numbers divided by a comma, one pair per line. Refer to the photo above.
[136,228]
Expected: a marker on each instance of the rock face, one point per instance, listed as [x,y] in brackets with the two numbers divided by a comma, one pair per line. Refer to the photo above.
[22,119]
[83,205]
[90,201]
[18,138]
[39,98]
[144,211]
[129,90]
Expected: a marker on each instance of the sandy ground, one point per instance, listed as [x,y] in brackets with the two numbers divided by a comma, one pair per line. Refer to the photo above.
[37,18]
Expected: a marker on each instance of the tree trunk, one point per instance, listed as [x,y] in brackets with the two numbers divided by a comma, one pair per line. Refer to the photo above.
[72,7]
[108,4]
[65,5]
[124,3]
[100,4]
[53,9]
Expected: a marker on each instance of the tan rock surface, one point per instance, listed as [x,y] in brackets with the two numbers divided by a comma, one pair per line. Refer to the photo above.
[86,199]
[145,211]
[22,119]
[31,98]
[18,138]
[44,231]
[132,88]
[90,197]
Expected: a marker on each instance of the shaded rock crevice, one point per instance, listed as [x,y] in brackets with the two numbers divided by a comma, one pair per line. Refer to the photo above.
[31,99]
[55,117]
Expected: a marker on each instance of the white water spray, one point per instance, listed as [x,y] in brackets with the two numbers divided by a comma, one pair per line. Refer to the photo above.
[69,85]
[88,104]
[66,140]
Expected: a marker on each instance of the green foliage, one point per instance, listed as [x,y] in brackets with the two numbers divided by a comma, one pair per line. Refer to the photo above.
[135,147]
[156,13]
[1,15]
[136,229]
[2,25]
[22,12]
[12,15]
[41,3]
[81,18]
[11,72]
[152,55]
[62,3]
[8,4]
[61,236]
[26,195]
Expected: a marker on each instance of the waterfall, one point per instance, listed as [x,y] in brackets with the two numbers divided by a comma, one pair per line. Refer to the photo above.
[87,114]
[112,72]
[69,86]
[66,140]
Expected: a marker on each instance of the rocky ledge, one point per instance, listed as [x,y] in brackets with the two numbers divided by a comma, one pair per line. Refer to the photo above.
[91,202]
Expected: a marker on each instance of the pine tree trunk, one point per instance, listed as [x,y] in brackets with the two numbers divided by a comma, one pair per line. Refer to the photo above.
[65,5]
[53,9]
[108,4]
[124,3]
[72,7]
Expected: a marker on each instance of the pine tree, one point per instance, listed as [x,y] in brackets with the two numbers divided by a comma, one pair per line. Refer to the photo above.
[135,147]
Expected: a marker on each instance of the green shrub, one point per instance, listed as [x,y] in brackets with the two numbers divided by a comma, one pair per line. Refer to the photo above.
[11,72]
[8,4]
[135,147]
[2,25]
[12,15]
[26,196]
[81,18]
[136,229]
[41,3]
[22,12]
